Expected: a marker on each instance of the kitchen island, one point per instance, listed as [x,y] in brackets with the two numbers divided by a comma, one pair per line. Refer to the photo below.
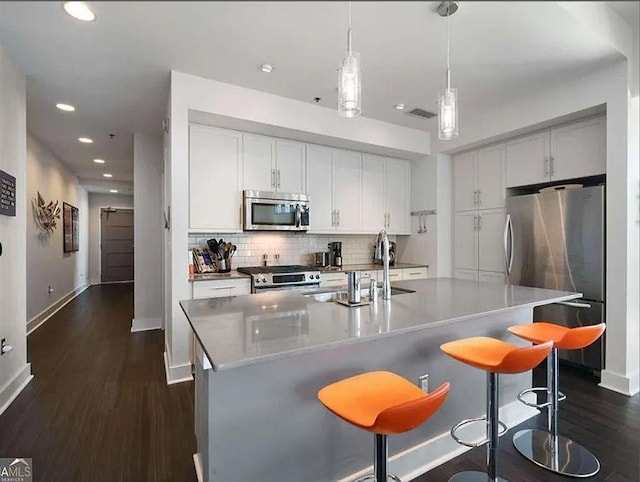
[261,360]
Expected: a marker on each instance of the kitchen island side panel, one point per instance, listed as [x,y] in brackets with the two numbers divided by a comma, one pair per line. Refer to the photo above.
[265,422]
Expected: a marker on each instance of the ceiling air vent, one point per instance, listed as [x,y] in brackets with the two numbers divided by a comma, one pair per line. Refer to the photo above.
[421,113]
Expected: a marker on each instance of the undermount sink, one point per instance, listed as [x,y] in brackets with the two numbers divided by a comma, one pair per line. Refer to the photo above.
[331,296]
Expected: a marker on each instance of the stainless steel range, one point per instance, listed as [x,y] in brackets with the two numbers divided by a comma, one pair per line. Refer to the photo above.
[277,278]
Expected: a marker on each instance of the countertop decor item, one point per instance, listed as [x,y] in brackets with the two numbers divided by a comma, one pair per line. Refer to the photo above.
[45,214]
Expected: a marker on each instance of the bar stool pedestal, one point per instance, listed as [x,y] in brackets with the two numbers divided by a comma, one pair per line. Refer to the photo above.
[548,449]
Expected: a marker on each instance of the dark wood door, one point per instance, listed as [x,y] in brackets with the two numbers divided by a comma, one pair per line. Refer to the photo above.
[116,238]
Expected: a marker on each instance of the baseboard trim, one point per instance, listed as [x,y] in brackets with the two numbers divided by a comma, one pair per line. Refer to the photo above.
[146,324]
[197,462]
[37,321]
[12,389]
[619,383]
[410,463]
[115,282]
[176,373]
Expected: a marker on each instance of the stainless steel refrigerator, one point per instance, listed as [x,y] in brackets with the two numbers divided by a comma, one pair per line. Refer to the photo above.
[556,240]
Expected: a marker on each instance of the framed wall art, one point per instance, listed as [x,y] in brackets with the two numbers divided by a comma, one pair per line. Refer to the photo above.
[70,228]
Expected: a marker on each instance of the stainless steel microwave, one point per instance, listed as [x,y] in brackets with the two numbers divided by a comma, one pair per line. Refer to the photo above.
[275,211]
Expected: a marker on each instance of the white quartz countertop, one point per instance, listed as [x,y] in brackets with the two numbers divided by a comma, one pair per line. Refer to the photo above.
[243,330]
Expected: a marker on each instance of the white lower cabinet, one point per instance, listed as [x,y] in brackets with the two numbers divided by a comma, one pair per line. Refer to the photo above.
[414,273]
[220,288]
[491,277]
[328,280]
[467,274]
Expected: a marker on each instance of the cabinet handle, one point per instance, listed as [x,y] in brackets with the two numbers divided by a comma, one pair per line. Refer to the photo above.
[546,167]
[338,214]
[475,197]
[388,220]
[216,288]
[333,218]
[278,184]
[552,165]
[479,222]
[479,196]
[273,178]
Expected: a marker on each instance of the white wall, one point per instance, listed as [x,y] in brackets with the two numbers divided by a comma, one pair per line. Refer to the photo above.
[203,100]
[148,227]
[47,264]
[607,86]
[15,372]
[97,201]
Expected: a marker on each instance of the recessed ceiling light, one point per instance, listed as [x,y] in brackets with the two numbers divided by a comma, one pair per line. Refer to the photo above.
[85,140]
[107,175]
[66,107]
[113,190]
[79,10]
[268,68]
[99,161]
[399,106]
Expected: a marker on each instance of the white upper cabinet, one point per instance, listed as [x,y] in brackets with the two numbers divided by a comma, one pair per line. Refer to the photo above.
[290,166]
[567,152]
[579,150]
[466,240]
[258,156]
[527,160]
[491,240]
[346,190]
[320,189]
[372,200]
[273,164]
[397,196]
[464,167]
[349,192]
[215,171]
[491,185]
[479,179]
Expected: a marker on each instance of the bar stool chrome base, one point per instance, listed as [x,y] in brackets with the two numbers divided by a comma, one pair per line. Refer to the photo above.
[371,478]
[474,477]
[562,455]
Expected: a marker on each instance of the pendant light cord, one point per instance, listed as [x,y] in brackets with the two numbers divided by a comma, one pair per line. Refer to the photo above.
[448,48]
[349,33]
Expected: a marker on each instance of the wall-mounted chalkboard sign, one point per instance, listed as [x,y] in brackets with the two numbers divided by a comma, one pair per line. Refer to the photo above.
[7,194]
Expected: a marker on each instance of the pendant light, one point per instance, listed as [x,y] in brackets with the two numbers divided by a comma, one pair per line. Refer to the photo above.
[448,98]
[349,81]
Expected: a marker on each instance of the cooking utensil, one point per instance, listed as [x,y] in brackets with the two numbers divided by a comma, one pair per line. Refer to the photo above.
[213,246]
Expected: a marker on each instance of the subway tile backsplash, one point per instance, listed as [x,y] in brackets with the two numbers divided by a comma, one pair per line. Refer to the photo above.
[292,248]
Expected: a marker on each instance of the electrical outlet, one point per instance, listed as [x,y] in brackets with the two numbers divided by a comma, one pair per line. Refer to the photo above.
[423,382]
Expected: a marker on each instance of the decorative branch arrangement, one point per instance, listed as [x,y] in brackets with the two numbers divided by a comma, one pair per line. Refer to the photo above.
[45,214]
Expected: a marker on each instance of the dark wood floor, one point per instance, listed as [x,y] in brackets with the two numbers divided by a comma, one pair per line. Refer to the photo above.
[99,408]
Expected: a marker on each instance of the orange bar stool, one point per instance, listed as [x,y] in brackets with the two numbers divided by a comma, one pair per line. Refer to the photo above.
[546,448]
[494,357]
[382,403]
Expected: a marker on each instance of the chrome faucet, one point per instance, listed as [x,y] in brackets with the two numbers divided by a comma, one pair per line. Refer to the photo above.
[382,251]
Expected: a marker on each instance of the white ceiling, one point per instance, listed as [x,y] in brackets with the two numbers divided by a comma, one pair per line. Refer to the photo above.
[116,70]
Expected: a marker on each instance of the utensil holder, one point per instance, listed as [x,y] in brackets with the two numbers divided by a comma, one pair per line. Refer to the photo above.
[224,265]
